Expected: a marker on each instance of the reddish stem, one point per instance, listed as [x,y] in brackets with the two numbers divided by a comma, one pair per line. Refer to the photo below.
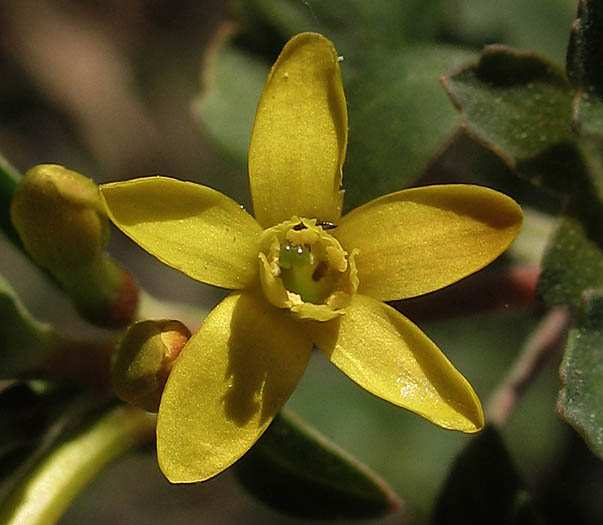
[482,292]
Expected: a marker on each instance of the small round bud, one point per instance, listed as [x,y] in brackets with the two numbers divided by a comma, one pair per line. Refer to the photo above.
[60,220]
[58,216]
[143,360]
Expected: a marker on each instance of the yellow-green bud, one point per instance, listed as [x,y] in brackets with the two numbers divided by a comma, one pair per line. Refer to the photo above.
[143,360]
[62,225]
[59,218]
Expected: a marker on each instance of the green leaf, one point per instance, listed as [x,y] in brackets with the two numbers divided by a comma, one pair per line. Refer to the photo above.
[585,67]
[580,401]
[399,118]
[297,471]
[484,487]
[522,24]
[519,104]
[233,81]
[46,489]
[573,261]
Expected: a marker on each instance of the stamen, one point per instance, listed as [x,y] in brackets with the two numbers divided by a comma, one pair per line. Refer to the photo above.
[320,271]
[305,269]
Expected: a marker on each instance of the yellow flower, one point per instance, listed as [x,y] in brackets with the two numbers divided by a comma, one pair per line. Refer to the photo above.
[303,275]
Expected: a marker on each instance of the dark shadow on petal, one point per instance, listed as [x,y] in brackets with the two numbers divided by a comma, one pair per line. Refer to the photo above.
[263,372]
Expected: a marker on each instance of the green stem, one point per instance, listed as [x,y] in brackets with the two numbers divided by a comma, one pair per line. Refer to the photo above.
[486,291]
[9,177]
[103,292]
[46,491]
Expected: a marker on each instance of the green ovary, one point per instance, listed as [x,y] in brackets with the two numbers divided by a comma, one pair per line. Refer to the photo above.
[305,270]
[304,274]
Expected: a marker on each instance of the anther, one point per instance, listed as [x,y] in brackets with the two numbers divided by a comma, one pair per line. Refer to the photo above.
[319,271]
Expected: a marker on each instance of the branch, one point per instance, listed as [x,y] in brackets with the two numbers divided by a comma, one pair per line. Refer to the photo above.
[485,291]
[541,346]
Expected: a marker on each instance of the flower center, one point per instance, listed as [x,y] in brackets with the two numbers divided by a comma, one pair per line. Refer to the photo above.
[305,274]
[304,269]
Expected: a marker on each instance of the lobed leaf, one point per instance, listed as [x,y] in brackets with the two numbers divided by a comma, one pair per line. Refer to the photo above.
[297,471]
[399,119]
[580,400]
[519,104]
[573,261]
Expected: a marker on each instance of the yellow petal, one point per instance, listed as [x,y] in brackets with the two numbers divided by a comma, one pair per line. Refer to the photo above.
[190,227]
[299,136]
[419,240]
[227,385]
[389,356]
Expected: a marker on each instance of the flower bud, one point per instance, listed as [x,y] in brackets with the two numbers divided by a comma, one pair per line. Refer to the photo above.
[62,225]
[58,216]
[143,360]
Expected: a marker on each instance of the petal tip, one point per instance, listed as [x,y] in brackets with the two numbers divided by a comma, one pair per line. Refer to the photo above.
[473,417]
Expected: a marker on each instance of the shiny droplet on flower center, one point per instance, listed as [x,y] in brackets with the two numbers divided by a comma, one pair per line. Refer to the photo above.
[305,274]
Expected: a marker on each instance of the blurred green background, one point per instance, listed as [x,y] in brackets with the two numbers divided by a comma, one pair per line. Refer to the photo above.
[112,89]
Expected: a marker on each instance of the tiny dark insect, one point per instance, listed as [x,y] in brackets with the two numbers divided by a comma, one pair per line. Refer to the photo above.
[299,227]
[326,225]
